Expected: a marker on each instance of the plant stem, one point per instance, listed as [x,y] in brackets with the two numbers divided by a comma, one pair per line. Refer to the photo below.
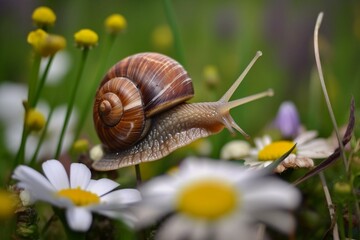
[42,81]
[138,175]
[330,206]
[107,47]
[169,11]
[20,156]
[72,101]
[42,137]
[34,74]
[323,86]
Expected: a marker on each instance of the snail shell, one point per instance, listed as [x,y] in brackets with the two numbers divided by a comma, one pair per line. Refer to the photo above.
[135,89]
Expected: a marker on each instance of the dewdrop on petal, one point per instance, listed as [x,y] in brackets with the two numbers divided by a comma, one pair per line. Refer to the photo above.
[86,38]
[43,17]
[115,23]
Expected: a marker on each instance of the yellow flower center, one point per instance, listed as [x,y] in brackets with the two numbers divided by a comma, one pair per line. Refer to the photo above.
[115,23]
[43,16]
[275,150]
[207,199]
[86,38]
[79,197]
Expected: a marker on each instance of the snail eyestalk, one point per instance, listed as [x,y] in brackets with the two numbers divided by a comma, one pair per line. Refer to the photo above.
[229,122]
[235,85]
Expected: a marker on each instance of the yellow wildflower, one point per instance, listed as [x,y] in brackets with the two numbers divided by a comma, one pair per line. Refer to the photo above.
[80,145]
[211,76]
[86,38]
[7,204]
[35,120]
[43,17]
[162,37]
[46,44]
[115,23]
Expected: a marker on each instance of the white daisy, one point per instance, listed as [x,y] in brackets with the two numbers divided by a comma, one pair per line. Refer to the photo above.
[215,200]
[308,147]
[77,193]
[236,149]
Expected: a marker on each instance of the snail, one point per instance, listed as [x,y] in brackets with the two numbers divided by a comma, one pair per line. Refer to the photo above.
[140,111]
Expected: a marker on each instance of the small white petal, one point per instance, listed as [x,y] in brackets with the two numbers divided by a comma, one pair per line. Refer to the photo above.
[269,194]
[102,186]
[180,227]
[79,219]
[34,182]
[159,185]
[282,221]
[305,137]
[122,196]
[233,227]
[56,173]
[79,175]
[148,212]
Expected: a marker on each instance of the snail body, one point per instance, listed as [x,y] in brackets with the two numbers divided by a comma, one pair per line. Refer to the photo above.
[154,119]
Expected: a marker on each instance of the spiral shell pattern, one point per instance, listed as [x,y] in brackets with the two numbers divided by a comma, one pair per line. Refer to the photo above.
[135,89]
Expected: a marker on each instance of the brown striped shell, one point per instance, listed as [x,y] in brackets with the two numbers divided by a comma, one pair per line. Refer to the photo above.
[133,90]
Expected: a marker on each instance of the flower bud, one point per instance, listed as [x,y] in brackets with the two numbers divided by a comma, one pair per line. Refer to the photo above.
[96,152]
[287,120]
[34,120]
[115,23]
[86,38]
[46,44]
[162,37]
[7,204]
[80,145]
[43,17]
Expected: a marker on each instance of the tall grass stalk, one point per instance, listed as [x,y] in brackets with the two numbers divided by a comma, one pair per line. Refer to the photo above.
[179,49]
[323,86]
[70,106]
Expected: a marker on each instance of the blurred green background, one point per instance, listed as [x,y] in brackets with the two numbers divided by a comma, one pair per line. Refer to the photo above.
[225,34]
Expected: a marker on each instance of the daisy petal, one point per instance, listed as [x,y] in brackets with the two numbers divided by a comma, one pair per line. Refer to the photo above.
[147,213]
[281,221]
[179,227]
[232,228]
[79,219]
[34,182]
[102,186]
[123,196]
[55,172]
[79,176]
[305,137]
